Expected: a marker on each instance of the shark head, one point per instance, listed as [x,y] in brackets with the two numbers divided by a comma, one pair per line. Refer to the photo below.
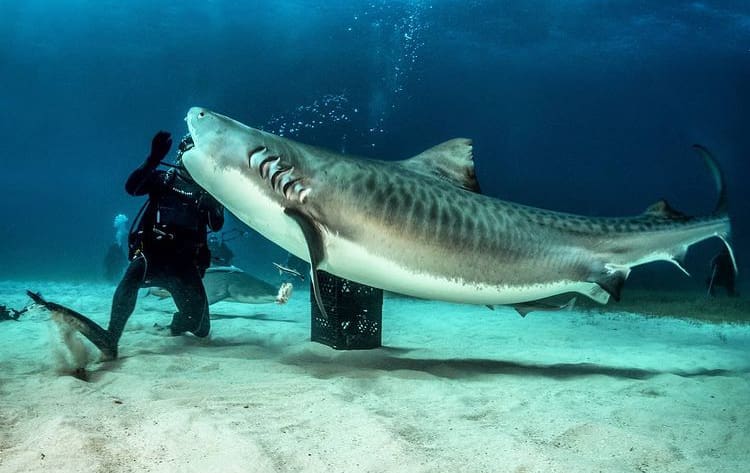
[219,141]
[228,146]
[242,168]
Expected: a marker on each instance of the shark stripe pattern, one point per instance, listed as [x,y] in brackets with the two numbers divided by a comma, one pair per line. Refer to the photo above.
[421,227]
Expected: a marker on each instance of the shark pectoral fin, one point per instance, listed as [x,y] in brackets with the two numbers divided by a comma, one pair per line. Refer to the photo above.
[678,259]
[524,308]
[314,240]
[451,161]
[594,292]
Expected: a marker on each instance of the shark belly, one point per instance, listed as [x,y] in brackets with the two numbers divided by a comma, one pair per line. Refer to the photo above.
[353,261]
[256,209]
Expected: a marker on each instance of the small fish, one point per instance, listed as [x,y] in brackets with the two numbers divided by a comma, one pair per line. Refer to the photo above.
[293,272]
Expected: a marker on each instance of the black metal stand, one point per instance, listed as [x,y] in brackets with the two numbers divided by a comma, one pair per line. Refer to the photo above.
[355,314]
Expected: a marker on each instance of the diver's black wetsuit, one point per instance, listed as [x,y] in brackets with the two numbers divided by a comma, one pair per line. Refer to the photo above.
[168,249]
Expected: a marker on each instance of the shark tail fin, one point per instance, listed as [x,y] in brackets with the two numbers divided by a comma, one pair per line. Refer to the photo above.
[662,209]
[722,206]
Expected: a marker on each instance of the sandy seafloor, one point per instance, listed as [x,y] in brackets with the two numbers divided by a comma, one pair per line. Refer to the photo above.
[457,388]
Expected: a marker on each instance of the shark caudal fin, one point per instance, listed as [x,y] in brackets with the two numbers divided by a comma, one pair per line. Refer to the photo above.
[661,210]
[721,209]
[677,232]
[722,206]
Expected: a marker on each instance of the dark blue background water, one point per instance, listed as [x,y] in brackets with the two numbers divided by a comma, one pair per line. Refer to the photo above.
[583,106]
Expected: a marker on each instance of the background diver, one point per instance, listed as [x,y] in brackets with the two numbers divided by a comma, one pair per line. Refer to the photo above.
[116,258]
[221,254]
[722,274]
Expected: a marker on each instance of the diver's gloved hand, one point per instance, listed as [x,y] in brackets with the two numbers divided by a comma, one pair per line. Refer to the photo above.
[160,145]
[206,202]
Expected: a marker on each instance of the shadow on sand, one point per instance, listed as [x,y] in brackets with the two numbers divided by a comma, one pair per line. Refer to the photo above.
[343,363]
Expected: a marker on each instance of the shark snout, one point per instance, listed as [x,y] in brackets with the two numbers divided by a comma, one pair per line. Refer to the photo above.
[198,121]
[194,115]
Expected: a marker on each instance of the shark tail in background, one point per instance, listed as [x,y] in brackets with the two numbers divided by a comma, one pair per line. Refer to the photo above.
[611,279]
[721,209]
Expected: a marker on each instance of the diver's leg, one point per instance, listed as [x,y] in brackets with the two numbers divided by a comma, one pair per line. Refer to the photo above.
[123,302]
[189,296]
[710,284]
[731,290]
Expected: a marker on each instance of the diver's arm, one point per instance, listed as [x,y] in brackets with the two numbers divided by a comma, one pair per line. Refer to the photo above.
[141,180]
[216,218]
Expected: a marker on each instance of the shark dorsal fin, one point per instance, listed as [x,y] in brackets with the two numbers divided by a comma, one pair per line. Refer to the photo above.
[662,209]
[451,161]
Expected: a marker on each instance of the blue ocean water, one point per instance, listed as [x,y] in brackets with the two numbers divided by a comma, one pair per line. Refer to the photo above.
[585,106]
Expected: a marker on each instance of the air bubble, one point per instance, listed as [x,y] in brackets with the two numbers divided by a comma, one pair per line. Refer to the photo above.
[399,31]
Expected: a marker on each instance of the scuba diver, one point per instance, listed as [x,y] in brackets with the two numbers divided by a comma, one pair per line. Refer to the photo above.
[722,274]
[167,249]
[221,254]
[116,258]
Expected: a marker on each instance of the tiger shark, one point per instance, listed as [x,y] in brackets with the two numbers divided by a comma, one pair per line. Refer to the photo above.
[421,227]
